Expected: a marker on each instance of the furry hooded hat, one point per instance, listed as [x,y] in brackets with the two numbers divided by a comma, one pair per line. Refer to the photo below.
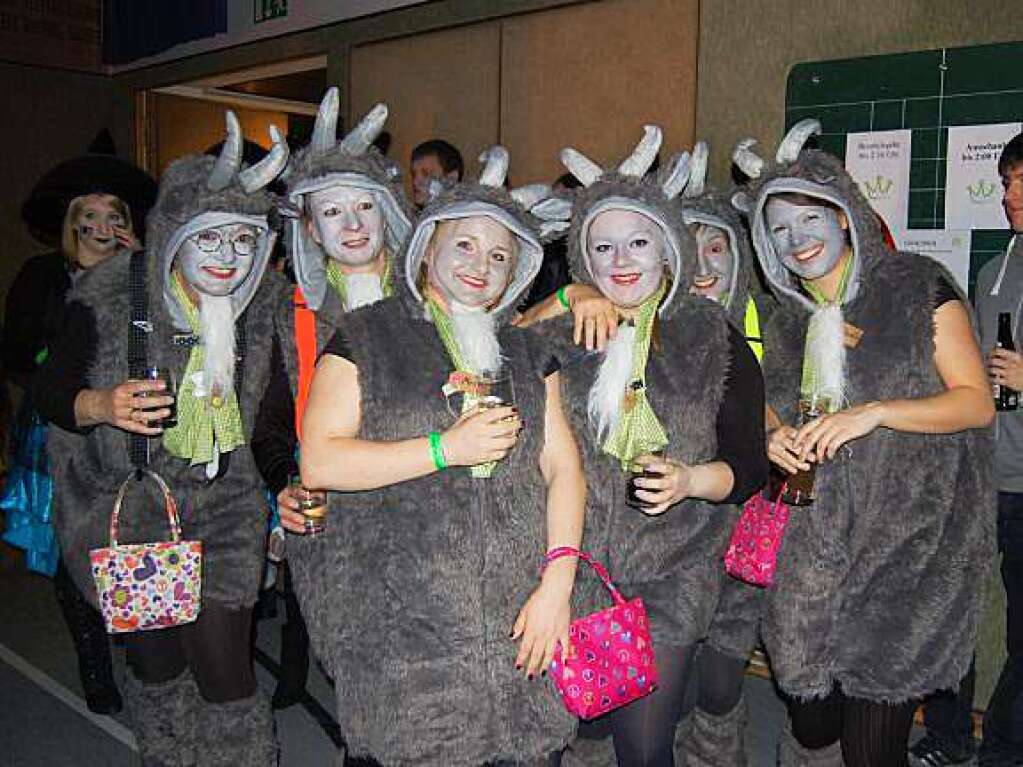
[353,162]
[627,187]
[712,207]
[813,173]
[199,192]
[531,213]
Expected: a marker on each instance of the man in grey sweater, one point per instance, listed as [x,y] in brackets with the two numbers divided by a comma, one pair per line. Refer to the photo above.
[999,289]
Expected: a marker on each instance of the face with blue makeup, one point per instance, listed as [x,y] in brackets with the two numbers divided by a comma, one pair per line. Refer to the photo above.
[809,236]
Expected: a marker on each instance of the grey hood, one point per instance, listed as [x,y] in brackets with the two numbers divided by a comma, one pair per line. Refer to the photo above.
[198,192]
[627,187]
[352,161]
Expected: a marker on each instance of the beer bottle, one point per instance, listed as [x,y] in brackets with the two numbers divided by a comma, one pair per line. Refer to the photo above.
[1005,398]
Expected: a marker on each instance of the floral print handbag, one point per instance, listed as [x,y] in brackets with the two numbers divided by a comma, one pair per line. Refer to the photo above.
[144,586]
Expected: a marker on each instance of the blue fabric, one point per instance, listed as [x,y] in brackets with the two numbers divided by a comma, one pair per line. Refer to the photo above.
[27,498]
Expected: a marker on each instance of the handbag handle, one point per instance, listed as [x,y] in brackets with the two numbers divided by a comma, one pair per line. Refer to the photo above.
[169,502]
[601,571]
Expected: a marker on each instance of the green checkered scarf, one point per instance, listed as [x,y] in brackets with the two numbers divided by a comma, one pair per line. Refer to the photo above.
[338,280]
[638,430]
[445,330]
[203,421]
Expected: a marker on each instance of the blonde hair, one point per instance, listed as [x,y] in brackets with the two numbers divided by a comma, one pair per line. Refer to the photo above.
[69,232]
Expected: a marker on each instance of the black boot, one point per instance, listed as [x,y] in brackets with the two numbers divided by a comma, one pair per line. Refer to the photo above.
[294,652]
[89,635]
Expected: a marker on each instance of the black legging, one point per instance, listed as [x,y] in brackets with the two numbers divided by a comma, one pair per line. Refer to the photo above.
[216,647]
[873,734]
[720,680]
[644,730]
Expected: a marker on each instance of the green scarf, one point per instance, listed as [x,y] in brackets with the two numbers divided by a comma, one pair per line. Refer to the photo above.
[807,387]
[445,330]
[206,421]
[638,430]
[338,280]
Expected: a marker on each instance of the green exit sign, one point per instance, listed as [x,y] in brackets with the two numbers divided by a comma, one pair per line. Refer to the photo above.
[265,10]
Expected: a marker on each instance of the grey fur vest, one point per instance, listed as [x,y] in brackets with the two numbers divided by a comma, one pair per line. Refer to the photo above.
[411,593]
[880,584]
[673,561]
[229,515]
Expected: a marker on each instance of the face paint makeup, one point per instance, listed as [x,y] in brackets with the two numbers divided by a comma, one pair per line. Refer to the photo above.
[625,252]
[715,263]
[809,240]
[96,222]
[216,261]
[470,261]
[348,223]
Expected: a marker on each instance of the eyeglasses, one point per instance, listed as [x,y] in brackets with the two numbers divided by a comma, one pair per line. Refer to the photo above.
[211,241]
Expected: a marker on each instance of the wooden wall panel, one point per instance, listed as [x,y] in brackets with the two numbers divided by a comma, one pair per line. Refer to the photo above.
[189,126]
[591,75]
[437,85]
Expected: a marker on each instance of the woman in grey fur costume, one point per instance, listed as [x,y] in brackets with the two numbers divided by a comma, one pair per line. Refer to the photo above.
[880,582]
[412,592]
[628,240]
[190,690]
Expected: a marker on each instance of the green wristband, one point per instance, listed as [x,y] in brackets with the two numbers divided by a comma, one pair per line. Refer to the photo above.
[562,298]
[437,452]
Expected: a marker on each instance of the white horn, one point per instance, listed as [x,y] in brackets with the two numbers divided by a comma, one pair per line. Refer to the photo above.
[325,131]
[697,170]
[495,166]
[749,162]
[678,175]
[792,144]
[580,166]
[362,135]
[642,157]
[528,196]
[267,169]
[230,156]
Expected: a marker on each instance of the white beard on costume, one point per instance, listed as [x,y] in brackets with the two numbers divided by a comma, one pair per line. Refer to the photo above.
[216,323]
[825,348]
[475,334]
[362,290]
[604,403]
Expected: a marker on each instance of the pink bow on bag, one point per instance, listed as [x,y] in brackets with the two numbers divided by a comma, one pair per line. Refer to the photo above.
[610,660]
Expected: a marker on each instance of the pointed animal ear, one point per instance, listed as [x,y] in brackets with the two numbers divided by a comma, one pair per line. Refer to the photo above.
[742,202]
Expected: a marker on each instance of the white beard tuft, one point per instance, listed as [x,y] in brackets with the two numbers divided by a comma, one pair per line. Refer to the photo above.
[825,348]
[604,403]
[216,322]
[476,337]
[362,290]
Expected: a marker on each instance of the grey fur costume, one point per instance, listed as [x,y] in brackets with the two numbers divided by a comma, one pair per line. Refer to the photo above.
[322,165]
[734,629]
[411,593]
[672,561]
[228,515]
[880,583]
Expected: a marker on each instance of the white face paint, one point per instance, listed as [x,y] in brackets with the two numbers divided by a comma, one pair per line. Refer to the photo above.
[347,223]
[216,261]
[626,252]
[96,222]
[809,240]
[470,261]
[715,263]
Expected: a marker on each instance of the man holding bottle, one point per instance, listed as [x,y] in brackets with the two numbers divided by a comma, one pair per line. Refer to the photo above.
[999,305]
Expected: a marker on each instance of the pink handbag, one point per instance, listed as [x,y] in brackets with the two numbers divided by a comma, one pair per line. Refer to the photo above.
[143,586]
[610,656]
[753,551]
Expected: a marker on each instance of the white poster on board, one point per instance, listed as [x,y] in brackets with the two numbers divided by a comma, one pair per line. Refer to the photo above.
[949,246]
[879,162]
[973,189]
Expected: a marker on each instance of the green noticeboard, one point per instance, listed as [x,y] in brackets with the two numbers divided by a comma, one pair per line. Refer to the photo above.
[926,91]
